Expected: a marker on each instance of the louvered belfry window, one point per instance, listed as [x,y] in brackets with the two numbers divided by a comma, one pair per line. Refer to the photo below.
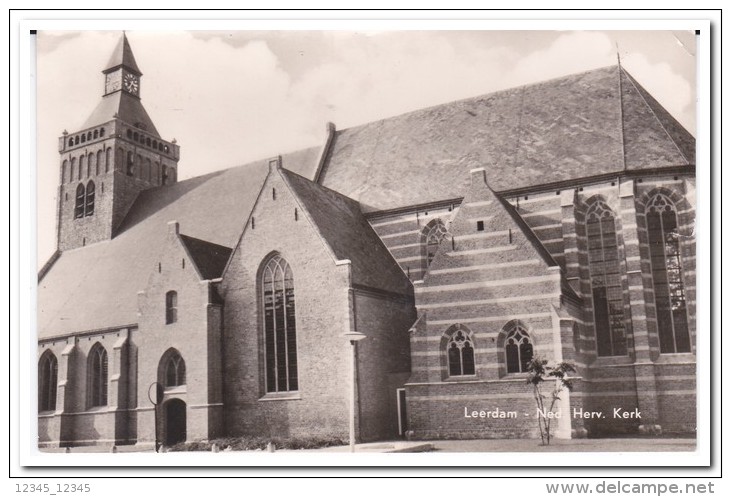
[280,331]
[89,200]
[606,281]
[670,302]
[80,201]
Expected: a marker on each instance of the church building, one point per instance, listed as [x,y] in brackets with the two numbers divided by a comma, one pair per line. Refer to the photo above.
[553,220]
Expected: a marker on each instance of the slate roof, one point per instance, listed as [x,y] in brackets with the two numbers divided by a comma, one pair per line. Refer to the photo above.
[95,287]
[209,258]
[126,107]
[567,128]
[122,56]
[341,223]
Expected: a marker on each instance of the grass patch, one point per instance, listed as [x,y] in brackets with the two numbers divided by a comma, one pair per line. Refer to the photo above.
[259,443]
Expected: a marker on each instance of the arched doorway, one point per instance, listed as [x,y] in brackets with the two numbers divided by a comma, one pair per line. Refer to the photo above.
[175,422]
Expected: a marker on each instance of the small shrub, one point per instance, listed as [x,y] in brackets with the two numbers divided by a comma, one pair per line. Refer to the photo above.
[260,443]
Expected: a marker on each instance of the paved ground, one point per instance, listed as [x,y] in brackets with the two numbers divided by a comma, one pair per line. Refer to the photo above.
[575,445]
[513,445]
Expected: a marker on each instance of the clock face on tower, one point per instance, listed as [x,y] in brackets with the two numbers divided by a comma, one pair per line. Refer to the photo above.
[113,82]
[131,83]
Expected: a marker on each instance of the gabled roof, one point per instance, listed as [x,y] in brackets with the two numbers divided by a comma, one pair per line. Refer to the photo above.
[209,258]
[95,287]
[122,56]
[343,227]
[121,105]
[572,127]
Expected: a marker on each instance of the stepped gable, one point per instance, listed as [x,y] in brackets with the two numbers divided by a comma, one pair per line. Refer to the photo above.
[341,224]
[559,130]
[487,230]
[95,287]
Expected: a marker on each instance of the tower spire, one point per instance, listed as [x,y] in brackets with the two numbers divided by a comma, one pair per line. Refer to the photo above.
[122,57]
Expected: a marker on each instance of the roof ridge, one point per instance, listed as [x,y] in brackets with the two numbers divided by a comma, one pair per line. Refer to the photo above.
[654,114]
[521,87]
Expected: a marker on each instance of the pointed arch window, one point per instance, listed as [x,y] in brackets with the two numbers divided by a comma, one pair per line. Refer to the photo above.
[130,164]
[518,348]
[280,330]
[80,201]
[670,301]
[431,236]
[606,281]
[175,370]
[47,382]
[98,375]
[171,307]
[89,201]
[461,352]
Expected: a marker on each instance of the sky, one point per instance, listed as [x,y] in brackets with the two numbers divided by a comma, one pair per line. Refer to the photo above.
[229,98]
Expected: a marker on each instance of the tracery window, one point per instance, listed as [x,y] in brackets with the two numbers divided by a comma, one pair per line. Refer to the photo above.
[606,281]
[175,370]
[47,382]
[280,332]
[670,301]
[518,348]
[98,376]
[431,236]
[461,353]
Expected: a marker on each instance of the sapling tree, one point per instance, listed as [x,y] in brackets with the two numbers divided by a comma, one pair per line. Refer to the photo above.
[538,373]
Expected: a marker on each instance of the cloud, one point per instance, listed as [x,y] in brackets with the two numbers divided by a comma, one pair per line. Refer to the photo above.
[232,98]
[672,90]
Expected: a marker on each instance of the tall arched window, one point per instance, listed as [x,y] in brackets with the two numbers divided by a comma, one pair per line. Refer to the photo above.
[47,381]
[175,370]
[130,164]
[670,305]
[98,376]
[64,168]
[431,236]
[80,200]
[518,347]
[280,332]
[171,307]
[460,352]
[606,281]
[99,161]
[82,164]
[89,202]
[93,168]
[73,169]
[107,160]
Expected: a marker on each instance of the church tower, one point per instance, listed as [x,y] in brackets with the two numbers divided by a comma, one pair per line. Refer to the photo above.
[115,155]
